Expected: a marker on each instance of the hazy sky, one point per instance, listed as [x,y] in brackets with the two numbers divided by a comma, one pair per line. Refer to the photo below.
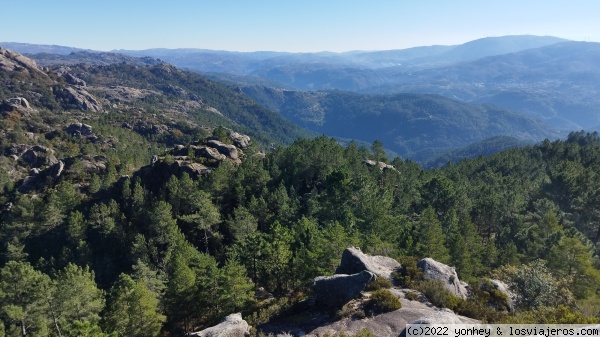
[289,25]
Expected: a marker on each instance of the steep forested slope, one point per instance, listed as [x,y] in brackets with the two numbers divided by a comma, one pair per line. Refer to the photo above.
[416,126]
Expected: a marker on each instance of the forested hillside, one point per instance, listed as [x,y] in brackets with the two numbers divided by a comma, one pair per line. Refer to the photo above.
[181,253]
[421,127]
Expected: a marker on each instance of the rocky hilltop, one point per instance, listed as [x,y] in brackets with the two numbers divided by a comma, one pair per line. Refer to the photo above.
[351,297]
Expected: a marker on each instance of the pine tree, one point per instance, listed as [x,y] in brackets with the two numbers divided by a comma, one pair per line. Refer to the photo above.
[24,294]
[75,298]
[431,241]
[132,309]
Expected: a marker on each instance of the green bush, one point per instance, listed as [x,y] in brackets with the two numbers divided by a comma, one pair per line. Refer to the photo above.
[349,311]
[473,307]
[379,283]
[383,300]
[561,314]
[409,275]
[438,295]
[411,296]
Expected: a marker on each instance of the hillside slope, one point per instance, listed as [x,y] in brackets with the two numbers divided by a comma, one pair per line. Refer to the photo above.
[416,126]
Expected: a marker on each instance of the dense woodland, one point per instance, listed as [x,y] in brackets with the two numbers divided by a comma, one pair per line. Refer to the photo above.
[130,257]
[113,254]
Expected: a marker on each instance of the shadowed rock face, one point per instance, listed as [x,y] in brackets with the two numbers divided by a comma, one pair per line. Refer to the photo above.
[337,290]
[437,271]
[232,326]
[355,261]
[38,156]
[225,149]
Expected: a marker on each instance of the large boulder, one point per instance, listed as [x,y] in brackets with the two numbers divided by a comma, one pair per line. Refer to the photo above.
[13,61]
[56,169]
[229,150]
[37,156]
[16,149]
[337,290]
[446,275]
[382,166]
[208,153]
[389,324]
[19,102]
[79,129]
[503,297]
[192,169]
[355,261]
[79,97]
[232,326]
[240,140]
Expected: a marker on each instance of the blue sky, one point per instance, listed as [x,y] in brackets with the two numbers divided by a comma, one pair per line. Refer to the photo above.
[289,25]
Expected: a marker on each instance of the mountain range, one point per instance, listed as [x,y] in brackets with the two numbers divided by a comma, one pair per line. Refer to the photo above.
[523,87]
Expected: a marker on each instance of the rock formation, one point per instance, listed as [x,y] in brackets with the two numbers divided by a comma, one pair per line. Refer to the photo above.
[239,140]
[12,61]
[232,326]
[337,290]
[446,275]
[228,150]
[37,156]
[80,98]
[208,152]
[382,166]
[57,169]
[19,102]
[355,261]
[79,129]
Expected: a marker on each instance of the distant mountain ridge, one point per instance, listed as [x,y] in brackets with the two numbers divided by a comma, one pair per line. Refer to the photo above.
[417,126]
[558,83]
[464,72]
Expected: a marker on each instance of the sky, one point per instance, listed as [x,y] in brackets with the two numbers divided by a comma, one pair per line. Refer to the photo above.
[289,25]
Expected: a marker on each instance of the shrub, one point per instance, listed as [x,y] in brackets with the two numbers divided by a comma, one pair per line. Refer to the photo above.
[383,300]
[411,296]
[409,275]
[438,295]
[561,314]
[349,311]
[378,283]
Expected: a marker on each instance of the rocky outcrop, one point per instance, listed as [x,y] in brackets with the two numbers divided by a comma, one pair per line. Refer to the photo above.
[355,261]
[16,150]
[208,153]
[191,168]
[382,166]
[232,326]
[239,140]
[19,102]
[79,129]
[12,61]
[390,324]
[228,150]
[37,156]
[446,275]
[80,98]
[57,169]
[335,291]
[71,79]
[503,298]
